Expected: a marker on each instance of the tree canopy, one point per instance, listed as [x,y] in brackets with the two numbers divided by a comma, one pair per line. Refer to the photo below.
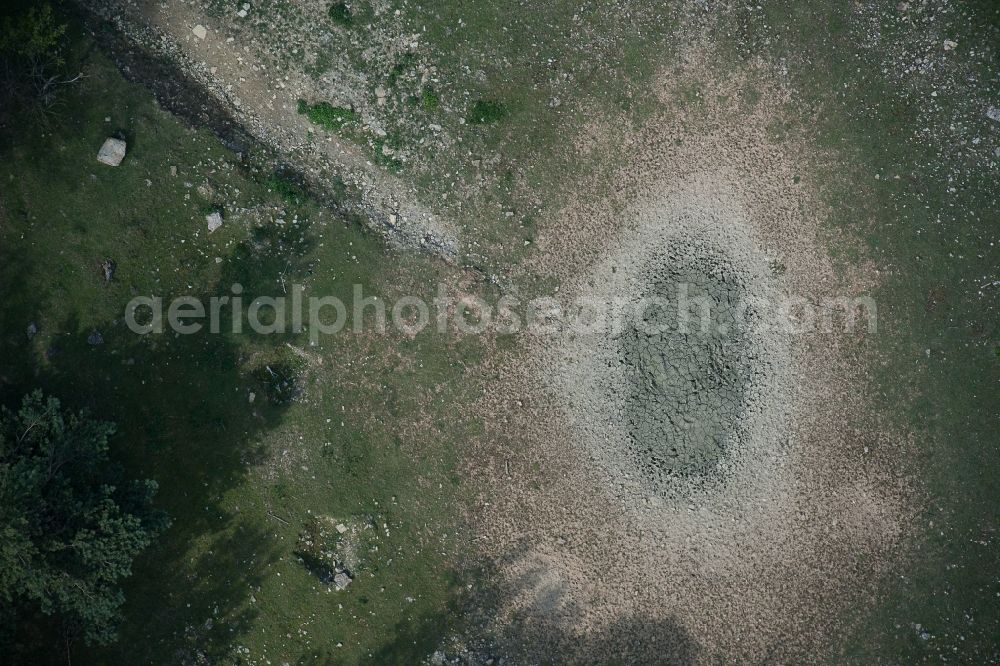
[70,523]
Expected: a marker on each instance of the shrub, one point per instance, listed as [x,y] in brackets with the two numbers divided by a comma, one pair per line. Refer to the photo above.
[326,115]
[430,99]
[32,34]
[487,111]
[405,61]
[285,186]
[31,60]
[340,14]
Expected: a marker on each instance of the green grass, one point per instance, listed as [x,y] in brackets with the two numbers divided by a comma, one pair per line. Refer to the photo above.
[487,111]
[326,115]
[240,479]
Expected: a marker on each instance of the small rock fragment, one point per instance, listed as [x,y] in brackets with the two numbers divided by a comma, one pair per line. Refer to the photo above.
[949,45]
[112,152]
[200,31]
[108,266]
[342,580]
[993,113]
[32,330]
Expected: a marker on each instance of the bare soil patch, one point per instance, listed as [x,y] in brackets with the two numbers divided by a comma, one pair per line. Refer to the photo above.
[793,511]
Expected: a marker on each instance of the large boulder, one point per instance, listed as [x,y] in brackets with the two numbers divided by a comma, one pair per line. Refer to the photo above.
[112,152]
[214,221]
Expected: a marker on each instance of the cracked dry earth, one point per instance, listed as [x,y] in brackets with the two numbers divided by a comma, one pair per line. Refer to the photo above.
[691,497]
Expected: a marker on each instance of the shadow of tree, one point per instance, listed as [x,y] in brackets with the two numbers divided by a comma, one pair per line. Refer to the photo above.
[413,641]
[544,632]
[181,404]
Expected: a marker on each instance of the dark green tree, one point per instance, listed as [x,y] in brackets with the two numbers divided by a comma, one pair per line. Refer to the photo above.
[70,523]
[32,63]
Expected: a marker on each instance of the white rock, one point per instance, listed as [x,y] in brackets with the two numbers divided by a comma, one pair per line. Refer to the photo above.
[200,31]
[949,45]
[341,527]
[341,580]
[993,113]
[214,221]
[112,152]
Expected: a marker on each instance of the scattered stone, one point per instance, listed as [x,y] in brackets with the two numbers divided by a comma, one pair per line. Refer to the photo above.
[214,221]
[341,527]
[108,266]
[949,45]
[252,397]
[200,31]
[112,152]
[95,338]
[32,330]
[993,113]
[173,171]
[342,580]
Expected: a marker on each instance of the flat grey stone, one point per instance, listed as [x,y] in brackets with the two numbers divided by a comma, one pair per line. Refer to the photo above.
[112,152]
